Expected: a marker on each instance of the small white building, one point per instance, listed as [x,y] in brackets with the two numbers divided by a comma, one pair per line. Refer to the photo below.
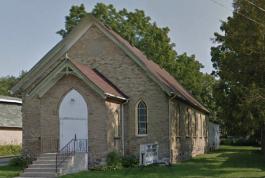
[213,136]
[10,121]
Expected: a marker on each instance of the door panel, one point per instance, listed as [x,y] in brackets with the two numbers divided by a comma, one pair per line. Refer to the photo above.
[73,114]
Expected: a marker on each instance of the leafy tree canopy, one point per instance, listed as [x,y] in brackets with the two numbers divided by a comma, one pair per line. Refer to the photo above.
[239,62]
[7,82]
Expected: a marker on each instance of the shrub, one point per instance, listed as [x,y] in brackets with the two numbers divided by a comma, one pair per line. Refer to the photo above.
[130,161]
[114,161]
[7,150]
[239,141]
[21,161]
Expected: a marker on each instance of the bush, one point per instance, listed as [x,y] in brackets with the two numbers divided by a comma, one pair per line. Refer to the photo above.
[130,161]
[114,161]
[239,141]
[7,150]
[21,161]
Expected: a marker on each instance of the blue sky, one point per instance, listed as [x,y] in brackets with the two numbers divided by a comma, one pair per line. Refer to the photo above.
[28,28]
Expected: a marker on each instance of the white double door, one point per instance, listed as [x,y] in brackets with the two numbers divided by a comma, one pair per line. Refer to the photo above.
[73,116]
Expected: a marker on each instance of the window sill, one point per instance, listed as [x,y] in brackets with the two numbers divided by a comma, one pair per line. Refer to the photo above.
[142,135]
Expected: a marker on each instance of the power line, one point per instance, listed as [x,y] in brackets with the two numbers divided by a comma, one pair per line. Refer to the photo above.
[239,13]
[260,8]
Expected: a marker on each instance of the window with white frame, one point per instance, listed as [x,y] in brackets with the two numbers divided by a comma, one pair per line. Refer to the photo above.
[141,118]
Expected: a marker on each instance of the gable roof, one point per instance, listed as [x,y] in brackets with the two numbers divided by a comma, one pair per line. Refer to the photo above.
[98,79]
[90,77]
[161,74]
[167,82]
[10,112]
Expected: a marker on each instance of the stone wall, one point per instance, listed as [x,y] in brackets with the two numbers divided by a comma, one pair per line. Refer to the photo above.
[31,125]
[96,50]
[114,140]
[43,119]
[188,136]
[40,116]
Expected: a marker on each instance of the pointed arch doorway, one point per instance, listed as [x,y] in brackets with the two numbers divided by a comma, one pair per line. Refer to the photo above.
[73,117]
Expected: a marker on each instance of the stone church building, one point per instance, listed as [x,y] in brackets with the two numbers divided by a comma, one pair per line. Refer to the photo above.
[94,86]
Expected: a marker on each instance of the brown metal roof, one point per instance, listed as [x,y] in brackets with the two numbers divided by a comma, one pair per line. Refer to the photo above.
[161,74]
[99,80]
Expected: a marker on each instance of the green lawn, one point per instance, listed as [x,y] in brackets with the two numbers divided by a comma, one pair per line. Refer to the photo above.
[9,171]
[229,161]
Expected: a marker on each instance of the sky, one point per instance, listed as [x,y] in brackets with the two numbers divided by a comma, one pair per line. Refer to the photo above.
[28,28]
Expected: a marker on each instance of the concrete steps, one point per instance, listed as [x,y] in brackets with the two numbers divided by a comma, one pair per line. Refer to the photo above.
[39,174]
[43,167]
[38,169]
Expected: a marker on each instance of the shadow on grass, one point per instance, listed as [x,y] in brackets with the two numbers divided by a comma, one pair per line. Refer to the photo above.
[226,162]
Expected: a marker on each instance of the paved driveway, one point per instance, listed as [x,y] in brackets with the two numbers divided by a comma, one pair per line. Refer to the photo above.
[5,160]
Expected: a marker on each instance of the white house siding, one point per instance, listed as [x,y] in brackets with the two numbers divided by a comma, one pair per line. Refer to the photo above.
[10,137]
[214,136]
[10,120]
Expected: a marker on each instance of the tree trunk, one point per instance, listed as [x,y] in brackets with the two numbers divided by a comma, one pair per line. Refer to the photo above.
[263,140]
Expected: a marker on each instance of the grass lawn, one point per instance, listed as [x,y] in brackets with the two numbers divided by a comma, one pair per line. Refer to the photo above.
[9,171]
[229,161]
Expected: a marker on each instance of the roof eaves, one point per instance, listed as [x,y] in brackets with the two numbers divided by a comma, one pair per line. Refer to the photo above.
[110,33]
[55,53]
[10,101]
[132,56]
[113,96]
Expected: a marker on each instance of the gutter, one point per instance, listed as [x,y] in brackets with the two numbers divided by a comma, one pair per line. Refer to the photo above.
[125,101]
[122,118]
[10,101]
[114,96]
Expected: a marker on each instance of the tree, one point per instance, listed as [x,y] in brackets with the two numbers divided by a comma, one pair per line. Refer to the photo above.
[239,62]
[7,82]
[154,41]
[76,14]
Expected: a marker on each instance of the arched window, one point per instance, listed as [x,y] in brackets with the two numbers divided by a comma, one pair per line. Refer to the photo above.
[141,118]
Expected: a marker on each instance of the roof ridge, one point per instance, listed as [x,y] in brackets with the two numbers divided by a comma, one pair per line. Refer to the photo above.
[108,81]
[100,80]
[147,62]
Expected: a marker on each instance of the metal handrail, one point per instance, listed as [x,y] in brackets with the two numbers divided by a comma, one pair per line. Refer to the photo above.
[64,153]
[73,146]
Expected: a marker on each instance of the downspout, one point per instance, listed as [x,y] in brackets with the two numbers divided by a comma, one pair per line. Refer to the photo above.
[122,118]
[169,127]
